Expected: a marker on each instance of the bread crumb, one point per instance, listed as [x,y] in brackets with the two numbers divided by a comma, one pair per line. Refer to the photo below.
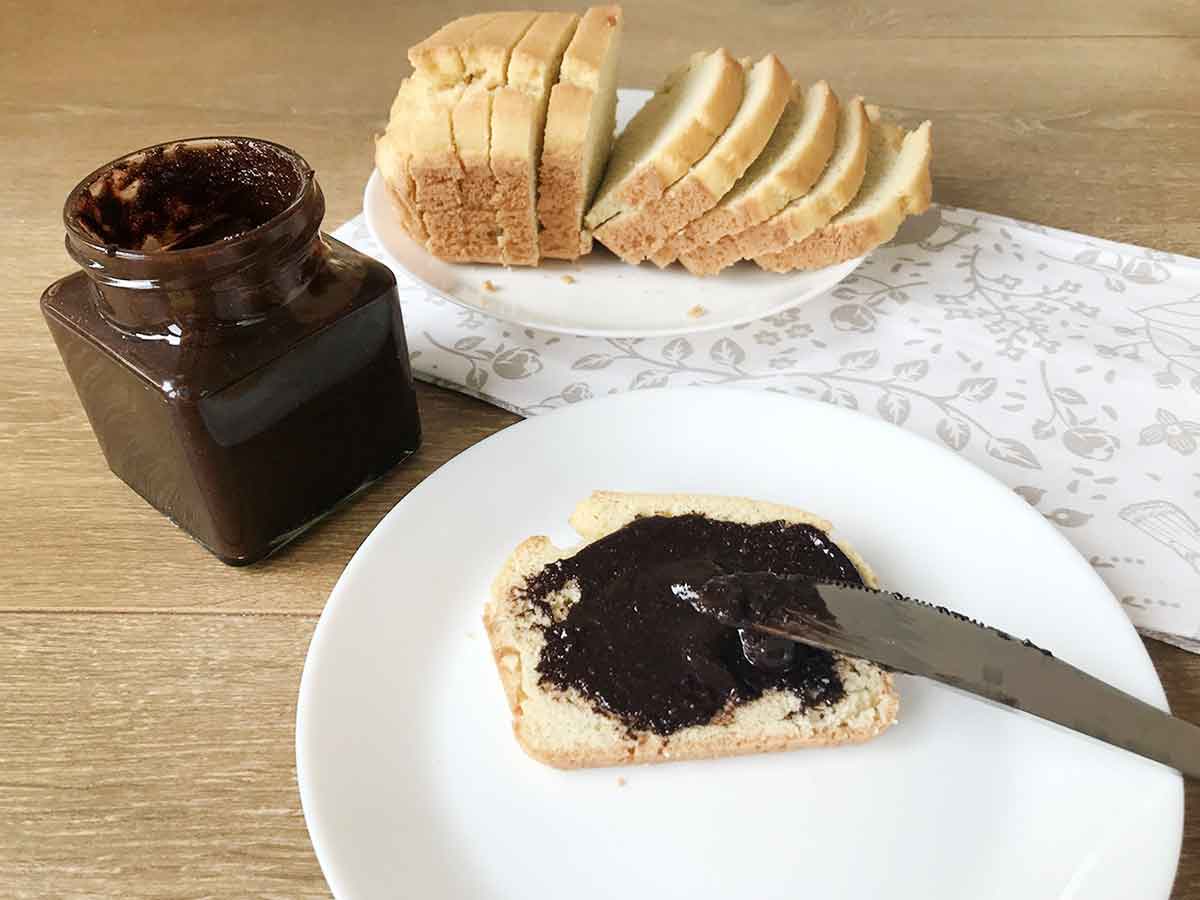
[489,287]
[697,311]
[620,781]
[567,279]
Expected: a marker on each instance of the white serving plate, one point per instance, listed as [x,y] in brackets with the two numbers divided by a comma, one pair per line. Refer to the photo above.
[413,786]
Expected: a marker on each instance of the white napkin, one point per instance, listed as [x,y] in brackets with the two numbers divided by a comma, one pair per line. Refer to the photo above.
[1065,365]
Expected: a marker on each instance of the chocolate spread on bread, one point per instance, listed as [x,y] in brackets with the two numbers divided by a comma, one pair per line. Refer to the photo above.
[639,651]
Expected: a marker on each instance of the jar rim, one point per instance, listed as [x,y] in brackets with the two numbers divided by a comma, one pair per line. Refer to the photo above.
[112,251]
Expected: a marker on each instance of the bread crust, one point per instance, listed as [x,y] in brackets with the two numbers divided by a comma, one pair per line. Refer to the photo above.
[439,57]
[563,730]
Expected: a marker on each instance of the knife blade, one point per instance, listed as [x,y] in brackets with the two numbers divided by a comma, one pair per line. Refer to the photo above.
[918,638]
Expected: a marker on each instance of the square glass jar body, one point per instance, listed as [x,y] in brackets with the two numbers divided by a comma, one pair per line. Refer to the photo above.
[247,438]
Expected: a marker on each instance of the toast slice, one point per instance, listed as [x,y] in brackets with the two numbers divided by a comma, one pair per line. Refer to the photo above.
[637,234]
[833,191]
[675,128]
[518,127]
[897,184]
[565,730]
[580,122]
[787,168]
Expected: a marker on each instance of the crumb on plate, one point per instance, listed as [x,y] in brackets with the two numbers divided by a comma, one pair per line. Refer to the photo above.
[567,279]
[489,287]
[697,311]
[620,781]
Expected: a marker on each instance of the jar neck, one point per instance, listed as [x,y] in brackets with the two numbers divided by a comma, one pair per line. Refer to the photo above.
[234,281]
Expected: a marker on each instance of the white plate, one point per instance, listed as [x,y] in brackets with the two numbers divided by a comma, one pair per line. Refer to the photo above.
[607,298]
[413,786]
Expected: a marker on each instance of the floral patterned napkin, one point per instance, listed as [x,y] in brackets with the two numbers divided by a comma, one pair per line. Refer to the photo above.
[1065,365]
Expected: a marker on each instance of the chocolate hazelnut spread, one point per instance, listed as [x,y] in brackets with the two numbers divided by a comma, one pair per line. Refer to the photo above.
[242,371]
[187,194]
[634,646]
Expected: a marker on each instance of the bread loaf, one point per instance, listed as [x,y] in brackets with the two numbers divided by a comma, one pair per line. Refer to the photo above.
[500,149]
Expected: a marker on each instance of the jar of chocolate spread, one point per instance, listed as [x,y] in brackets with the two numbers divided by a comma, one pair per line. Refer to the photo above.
[242,371]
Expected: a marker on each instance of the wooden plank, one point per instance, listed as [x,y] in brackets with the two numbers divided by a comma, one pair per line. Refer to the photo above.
[127,556]
[151,756]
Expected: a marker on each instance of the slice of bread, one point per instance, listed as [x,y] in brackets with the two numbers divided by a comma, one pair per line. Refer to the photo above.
[563,729]
[416,156]
[392,161]
[675,128]
[787,168]
[833,191]
[637,234]
[467,230]
[897,184]
[437,63]
[580,123]
[518,126]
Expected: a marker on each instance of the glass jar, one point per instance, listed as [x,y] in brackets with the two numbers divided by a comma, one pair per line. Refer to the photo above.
[242,371]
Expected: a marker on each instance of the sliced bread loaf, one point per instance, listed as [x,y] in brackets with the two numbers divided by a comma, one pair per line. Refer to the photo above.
[671,131]
[833,191]
[518,126]
[897,184]
[638,233]
[564,729]
[580,123]
[787,168]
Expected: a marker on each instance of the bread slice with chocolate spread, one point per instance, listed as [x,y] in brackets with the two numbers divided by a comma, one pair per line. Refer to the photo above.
[581,691]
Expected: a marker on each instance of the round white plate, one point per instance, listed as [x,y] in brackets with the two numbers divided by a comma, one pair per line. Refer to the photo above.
[607,298]
[412,783]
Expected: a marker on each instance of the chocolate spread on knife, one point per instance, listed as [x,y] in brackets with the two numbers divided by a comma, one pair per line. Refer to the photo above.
[634,646]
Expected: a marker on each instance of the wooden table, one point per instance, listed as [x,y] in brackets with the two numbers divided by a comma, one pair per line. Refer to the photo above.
[147,692]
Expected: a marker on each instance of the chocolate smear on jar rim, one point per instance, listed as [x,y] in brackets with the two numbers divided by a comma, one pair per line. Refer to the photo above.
[186,194]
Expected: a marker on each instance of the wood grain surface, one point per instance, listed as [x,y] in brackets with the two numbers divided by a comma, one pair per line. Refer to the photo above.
[147,692]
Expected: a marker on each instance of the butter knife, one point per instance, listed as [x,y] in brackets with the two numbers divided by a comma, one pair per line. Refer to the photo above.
[917,638]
